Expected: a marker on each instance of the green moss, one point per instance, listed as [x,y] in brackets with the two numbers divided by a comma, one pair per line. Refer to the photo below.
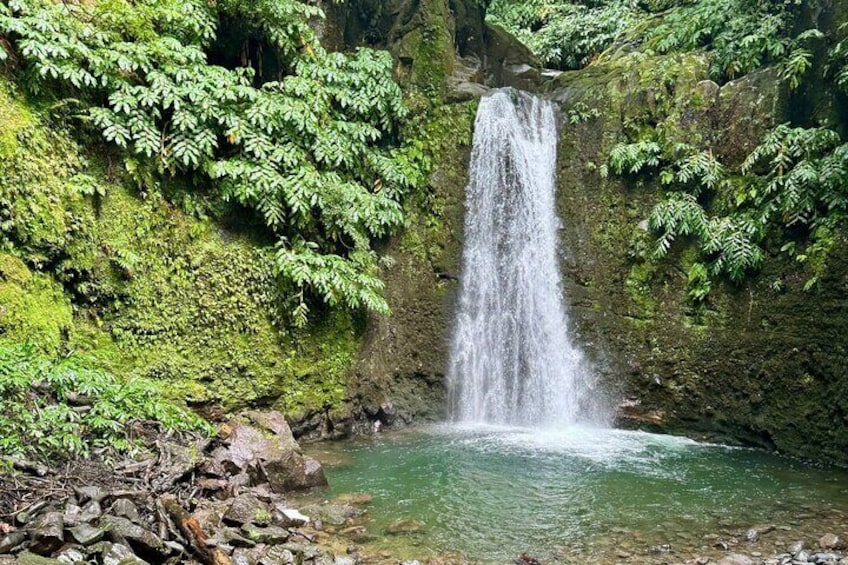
[33,307]
[426,51]
[639,289]
[14,117]
[145,288]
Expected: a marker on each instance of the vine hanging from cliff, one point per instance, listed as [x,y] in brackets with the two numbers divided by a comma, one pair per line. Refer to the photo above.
[316,152]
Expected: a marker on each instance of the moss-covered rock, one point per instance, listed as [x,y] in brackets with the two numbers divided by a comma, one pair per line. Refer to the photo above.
[404,357]
[96,267]
[761,362]
[33,307]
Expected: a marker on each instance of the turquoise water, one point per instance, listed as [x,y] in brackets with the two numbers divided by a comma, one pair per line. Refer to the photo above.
[494,493]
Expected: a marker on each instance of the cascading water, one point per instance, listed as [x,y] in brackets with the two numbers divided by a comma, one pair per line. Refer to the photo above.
[512,361]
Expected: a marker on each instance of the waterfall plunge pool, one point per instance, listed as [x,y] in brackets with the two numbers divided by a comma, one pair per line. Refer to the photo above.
[579,494]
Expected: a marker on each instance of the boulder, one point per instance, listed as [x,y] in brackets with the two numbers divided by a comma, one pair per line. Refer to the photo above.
[47,533]
[261,445]
[121,529]
[247,509]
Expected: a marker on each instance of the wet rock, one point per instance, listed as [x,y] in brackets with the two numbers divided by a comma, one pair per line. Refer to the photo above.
[335,514]
[269,535]
[464,91]
[47,534]
[125,509]
[90,512]
[291,518]
[358,534]
[387,413]
[664,548]
[86,534]
[28,558]
[120,554]
[735,559]
[829,541]
[404,526]
[356,499]
[796,547]
[313,474]
[802,556]
[122,529]
[248,509]
[10,541]
[71,555]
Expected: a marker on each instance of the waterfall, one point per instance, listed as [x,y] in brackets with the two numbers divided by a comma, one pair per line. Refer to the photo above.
[512,361]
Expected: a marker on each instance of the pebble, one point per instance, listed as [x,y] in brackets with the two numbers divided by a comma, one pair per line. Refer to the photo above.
[829,541]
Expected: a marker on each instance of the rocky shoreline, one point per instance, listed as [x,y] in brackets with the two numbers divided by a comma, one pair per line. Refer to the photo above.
[236,499]
[216,501]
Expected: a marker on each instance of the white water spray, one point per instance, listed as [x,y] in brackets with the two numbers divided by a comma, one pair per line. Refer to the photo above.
[512,361]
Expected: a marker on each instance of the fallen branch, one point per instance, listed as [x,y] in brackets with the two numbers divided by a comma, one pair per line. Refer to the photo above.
[193,533]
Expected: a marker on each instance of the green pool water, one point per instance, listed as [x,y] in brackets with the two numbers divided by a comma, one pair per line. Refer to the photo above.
[493,493]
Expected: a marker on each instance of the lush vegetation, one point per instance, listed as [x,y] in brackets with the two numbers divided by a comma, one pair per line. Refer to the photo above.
[738,35]
[313,151]
[63,408]
[790,191]
[787,197]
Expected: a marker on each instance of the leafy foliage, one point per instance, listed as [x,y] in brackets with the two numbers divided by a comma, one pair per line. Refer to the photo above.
[566,35]
[743,35]
[795,179]
[314,153]
[64,408]
[740,35]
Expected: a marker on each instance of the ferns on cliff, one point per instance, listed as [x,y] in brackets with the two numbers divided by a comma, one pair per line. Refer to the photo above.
[315,153]
[565,35]
[739,35]
[796,179]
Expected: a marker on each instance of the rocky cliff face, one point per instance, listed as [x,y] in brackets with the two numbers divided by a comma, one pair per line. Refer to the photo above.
[763,363]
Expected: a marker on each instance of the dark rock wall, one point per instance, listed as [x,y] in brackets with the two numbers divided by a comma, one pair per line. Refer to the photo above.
[763,364]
